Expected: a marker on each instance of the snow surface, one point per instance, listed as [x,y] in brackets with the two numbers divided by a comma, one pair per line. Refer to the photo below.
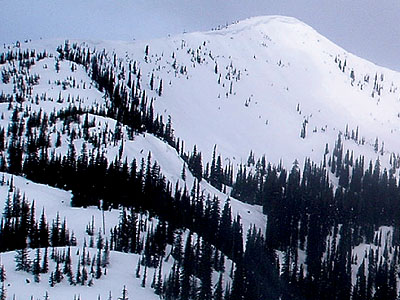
[122,268]
[282,73]
[288,75]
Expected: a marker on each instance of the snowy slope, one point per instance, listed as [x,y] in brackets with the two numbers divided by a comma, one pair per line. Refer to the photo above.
[122,266]
[282,73]
[251,86]
[274,75]
[121,271]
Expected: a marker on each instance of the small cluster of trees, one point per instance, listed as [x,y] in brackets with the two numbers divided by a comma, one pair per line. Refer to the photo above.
[87,268]
[19,228]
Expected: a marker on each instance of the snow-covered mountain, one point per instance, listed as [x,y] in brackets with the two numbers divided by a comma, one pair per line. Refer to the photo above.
[255,84]
[268,85]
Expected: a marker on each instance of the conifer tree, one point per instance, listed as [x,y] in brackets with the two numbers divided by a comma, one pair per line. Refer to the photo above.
[98,265]
[187,269]
[52,281]
[3,292]
[92,266]
[45,262]
[159,283]
[67,262]
[177,250]
[32,230]
[78,276]
[238,285]
[7,211]
[205,271]
[138,268]
[151,81]
[160,88]
[58,277]
[43,231]
[144,276]
[218,292]
[22,260]
[3,275]
[106,255]
[183,173]
[36,266]
[91,281]
[84,276]
[100,241]
[124,294]
[392,283]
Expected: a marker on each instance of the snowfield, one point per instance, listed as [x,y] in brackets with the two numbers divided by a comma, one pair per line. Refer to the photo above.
[275,73]
[270,85]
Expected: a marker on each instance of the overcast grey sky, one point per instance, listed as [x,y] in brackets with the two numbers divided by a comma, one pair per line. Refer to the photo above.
[367,28]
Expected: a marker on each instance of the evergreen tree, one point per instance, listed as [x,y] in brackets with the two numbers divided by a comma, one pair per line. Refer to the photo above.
[78,275]
[160,88]
[106,255]
[144,276]
[52,281]
[151,81]
[205,271]
[218,291]
[3,275]
[22,260]
[98,265]
[238,285]
[158,290]
[43,231]
[177,251]
[360,288]
[84,276]
[36,266]
[58,277]
[138,268]
[187,269]
[183,173]
[3,292]
[124,294]
[45,262]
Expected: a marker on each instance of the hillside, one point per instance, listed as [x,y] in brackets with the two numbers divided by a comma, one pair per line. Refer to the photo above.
[162,141]
[273,74]
[242,81]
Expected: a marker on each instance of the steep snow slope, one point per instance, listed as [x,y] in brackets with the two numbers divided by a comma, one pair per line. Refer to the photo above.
[275,74]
